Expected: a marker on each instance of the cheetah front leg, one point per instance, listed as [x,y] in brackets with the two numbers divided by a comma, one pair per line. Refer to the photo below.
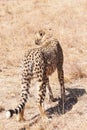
[51,97]
[61,81]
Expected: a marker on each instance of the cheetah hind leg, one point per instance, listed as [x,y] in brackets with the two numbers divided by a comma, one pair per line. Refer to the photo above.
[42,93]
[20,116]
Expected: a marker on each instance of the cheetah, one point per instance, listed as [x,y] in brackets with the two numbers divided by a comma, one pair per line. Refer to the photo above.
[38,64]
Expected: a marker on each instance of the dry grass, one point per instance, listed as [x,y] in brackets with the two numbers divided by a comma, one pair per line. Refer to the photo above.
[19,20]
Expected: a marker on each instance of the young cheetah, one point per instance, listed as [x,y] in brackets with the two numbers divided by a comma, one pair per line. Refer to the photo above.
[39,63]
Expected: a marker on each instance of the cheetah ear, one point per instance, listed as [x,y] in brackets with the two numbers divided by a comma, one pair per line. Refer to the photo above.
[50,29]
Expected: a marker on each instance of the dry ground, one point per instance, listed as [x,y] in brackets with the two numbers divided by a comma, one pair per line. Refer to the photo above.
[67,19]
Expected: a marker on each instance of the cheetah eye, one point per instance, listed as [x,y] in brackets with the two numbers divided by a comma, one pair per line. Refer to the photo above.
[41,34]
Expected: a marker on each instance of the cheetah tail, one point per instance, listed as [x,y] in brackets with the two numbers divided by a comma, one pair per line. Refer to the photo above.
[20,107]
[17,110]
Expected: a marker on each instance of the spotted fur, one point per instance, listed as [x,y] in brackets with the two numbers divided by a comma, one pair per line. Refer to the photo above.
[39,63]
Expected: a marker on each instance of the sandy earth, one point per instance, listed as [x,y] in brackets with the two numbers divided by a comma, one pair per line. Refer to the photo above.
[67,21]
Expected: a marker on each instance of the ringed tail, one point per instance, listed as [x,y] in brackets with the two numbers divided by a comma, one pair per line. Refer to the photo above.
[27,70]
[21,105]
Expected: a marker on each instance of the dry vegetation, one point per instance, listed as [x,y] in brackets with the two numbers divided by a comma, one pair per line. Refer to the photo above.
[67,19]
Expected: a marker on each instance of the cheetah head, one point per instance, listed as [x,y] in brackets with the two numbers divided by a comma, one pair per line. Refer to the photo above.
[42,36]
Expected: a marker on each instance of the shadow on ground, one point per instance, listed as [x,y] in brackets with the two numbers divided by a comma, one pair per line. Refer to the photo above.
[70,99]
